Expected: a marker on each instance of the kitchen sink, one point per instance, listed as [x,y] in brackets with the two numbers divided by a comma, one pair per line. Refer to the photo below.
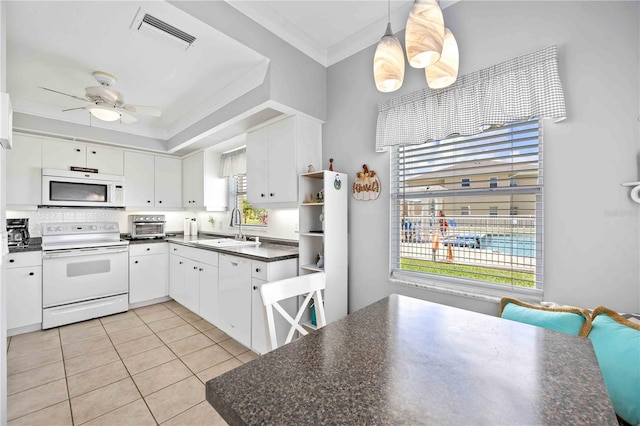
[226,242]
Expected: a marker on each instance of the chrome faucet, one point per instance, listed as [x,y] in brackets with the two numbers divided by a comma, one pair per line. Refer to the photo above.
[239,236]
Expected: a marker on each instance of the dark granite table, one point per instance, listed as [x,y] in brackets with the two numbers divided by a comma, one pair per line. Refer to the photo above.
[406,361]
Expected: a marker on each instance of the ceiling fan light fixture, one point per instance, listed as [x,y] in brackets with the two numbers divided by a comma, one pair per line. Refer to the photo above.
[424,33]
[103,113]
[444,72]
[388,63]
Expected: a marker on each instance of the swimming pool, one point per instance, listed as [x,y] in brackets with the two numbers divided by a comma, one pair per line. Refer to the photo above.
[511,244]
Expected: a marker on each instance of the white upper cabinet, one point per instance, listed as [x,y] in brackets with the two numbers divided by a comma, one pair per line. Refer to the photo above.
[61,155]
[24,171]
[140,179]
[168,182]
[202,186]
[276,154]
[152,181]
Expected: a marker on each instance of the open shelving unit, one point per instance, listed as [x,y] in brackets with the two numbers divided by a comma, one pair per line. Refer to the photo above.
[327,236]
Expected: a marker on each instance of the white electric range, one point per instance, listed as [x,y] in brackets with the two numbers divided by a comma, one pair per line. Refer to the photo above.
[85,272]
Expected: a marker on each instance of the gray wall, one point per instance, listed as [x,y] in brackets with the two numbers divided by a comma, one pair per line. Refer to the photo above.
[591,239]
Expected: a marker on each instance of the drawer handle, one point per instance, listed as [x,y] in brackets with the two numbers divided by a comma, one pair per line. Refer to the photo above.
[200,269]
[175,249]
[160,201]
[258,269]
[180,263]
[135,261]
[148,201]
[11,260]
[262,195]
[195,267]
[255,287]
[77,149]
[148,248]
[271,194]
[31,273]
[93,152]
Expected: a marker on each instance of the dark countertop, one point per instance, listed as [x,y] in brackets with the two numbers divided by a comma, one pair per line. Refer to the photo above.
[35,244]
[407,361]
[267,251]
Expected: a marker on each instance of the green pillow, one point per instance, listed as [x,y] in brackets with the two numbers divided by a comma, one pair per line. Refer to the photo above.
[569,320]
[616,342]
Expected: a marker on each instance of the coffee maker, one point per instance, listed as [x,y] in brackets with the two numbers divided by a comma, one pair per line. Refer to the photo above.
[18,232]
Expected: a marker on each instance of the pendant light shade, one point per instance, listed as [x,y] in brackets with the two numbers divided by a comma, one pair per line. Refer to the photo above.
[424,34]
[388,63]
[444,72]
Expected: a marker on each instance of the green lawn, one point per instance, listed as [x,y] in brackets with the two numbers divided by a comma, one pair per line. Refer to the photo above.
[479,273]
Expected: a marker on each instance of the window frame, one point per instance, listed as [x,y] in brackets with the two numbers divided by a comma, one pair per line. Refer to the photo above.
[237,195]
[450,283]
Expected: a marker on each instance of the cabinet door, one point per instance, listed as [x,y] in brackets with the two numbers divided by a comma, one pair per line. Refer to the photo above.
[234,297]
[177,277]
[193,181]
[192,286]
[108,161]
[258,321]
[281,152]
[24,296]
[168,182]
[148,277]
[257,166]
[209,293]
[24,171]
[139,178]
[62,155]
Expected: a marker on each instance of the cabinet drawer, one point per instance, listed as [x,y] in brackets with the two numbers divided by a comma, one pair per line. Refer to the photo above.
[18,260]
[147,249]
[259,270]
[199,255]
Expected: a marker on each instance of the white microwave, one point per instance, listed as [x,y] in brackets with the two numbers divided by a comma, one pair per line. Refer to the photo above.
[62,188]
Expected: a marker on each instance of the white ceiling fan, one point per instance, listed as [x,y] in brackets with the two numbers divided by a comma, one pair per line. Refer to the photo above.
[106,103]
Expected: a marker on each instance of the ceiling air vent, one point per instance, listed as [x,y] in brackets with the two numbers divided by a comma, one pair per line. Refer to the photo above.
[156,28]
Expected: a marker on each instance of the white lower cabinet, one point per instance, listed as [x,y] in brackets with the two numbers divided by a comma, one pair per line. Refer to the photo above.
[225,290]
[261,273]
[193,279]
[24,289]
[148,272]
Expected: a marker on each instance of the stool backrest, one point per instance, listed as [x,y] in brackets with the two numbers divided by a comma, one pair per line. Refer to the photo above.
[310,286]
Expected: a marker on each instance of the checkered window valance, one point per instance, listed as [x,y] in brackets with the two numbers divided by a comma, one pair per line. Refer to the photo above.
[518,89]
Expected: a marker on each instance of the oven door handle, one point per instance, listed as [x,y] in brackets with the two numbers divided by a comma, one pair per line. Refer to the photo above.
[150,223]
[91,251]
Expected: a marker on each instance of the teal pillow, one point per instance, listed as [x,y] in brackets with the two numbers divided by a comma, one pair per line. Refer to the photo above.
[616,342]
[569,320]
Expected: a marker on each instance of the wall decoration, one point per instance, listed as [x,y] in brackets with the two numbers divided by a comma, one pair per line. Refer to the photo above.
[337,183]
[366,186]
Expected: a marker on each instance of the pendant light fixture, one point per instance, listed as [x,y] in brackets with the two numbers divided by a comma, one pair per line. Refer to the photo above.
[444,72]
[388,61]
[428,44]
[424,34]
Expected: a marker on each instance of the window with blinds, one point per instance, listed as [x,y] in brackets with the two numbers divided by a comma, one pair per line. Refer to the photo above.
[470,208]
[250,216]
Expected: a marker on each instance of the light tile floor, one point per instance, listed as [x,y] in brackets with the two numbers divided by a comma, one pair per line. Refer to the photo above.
[147,366]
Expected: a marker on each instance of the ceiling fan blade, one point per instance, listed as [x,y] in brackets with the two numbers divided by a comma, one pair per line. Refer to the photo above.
[126,117]
[144,110]
[72,109]
[62,93]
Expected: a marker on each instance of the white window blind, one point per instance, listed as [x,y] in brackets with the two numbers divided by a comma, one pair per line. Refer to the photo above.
[486,232]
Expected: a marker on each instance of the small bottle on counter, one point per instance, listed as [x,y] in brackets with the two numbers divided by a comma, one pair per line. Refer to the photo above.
[194,226]
[187,227]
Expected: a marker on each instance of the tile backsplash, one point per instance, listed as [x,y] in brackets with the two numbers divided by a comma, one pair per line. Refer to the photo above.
[283,223]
